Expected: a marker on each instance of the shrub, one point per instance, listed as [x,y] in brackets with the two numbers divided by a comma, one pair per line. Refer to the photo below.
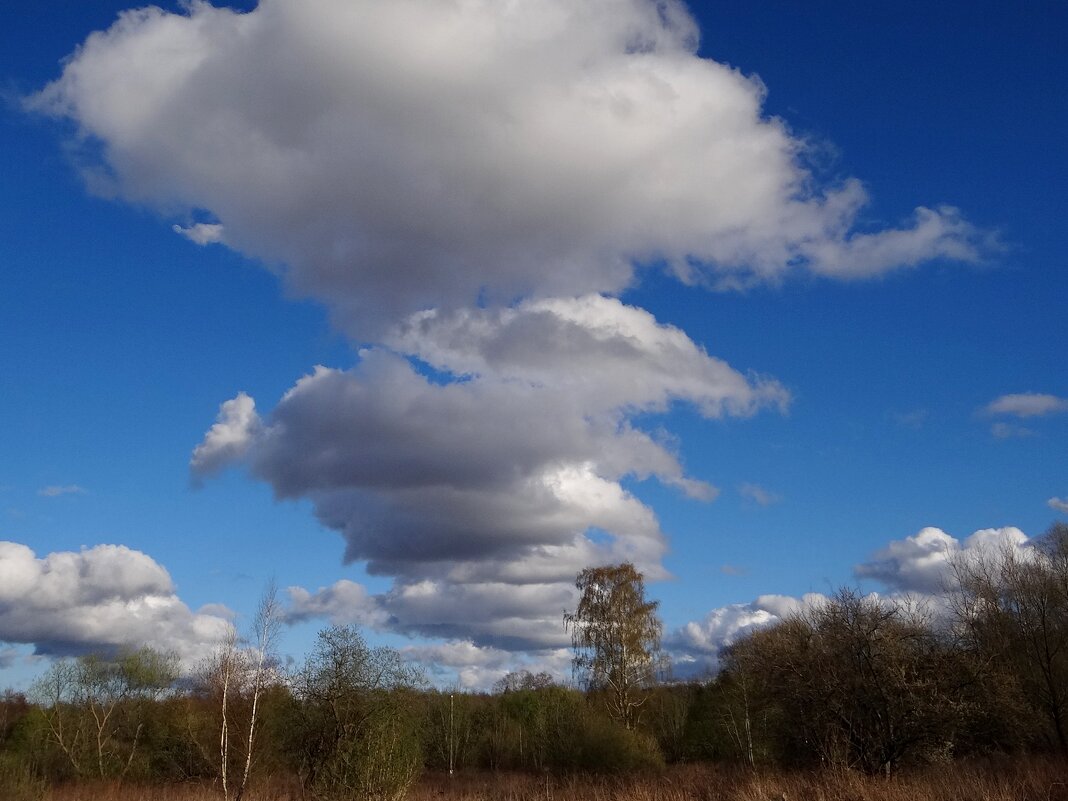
[18,780]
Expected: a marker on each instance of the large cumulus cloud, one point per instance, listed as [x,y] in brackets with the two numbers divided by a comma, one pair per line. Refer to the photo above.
[485,491]
[99,598]
[398,156]
[468,185]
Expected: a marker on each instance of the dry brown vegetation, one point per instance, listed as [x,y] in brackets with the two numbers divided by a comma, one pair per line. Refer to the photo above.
[1028,779]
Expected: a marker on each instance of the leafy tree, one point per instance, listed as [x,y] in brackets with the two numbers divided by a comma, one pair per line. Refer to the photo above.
[358,732]
[95,707]
[616,635]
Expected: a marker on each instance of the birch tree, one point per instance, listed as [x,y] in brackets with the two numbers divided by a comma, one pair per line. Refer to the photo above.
[616,635]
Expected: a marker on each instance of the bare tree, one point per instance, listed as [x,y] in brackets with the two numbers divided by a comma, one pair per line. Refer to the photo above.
[616,635]
[1012,614]
[238,676]
[266,626]
[857,682]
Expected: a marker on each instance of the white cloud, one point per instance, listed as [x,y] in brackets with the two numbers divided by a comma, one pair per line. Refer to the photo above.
[472,667]
[99,598]
[921,563]
[404,162]
[696,646]
[758,495]
[201,233]
[1002,430]
[916,571]
[1027,404]
[56,490]
[1058,504]
[605,352]
[235,427]
[342,603]
[398,156]
[486,492]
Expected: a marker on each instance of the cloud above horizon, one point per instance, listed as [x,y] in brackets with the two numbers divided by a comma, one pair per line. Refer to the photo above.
[484,493]
[470,187]
[394,157]
[916,569]
[99,598]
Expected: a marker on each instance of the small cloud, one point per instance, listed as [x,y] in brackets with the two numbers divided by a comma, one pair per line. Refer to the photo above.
[758,495]
[226,442]
[914,419]
[733,570]
[1010,431]
[1027,404]
[201,233]
[1058,504]
[55,490]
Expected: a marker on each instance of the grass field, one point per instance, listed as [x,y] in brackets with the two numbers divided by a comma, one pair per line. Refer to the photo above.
[1027,779]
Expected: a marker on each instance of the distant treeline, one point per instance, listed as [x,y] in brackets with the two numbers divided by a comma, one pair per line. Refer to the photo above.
[857,682]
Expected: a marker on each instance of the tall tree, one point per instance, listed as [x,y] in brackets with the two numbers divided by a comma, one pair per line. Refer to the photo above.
[239,675]
[616,635]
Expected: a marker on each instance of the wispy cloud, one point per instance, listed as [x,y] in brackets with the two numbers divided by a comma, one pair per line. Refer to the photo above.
[758,495]
[913,419]
[1026,404]
[1003,430]
[1058,504]
[55,490]
[201,233]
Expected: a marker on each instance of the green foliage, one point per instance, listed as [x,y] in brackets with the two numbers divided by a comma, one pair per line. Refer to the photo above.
[95,708]
[378,762]
[355,729]
[604,747]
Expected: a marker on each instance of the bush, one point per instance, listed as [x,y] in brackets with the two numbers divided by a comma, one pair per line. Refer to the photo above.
[379,764]
[606,747]
[18,780]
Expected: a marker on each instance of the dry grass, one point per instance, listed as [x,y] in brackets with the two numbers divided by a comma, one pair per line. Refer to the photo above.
[1029,780]
[1008,780]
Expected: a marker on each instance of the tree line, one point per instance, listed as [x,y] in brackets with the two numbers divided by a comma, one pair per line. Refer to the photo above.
[856,682]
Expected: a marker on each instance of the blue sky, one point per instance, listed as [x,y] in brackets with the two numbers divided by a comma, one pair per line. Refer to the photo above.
[120,338]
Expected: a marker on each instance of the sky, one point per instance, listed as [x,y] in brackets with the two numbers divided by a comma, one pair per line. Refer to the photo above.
[417,309]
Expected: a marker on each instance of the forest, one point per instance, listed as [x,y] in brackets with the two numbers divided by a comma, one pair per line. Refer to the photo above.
[856,697]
